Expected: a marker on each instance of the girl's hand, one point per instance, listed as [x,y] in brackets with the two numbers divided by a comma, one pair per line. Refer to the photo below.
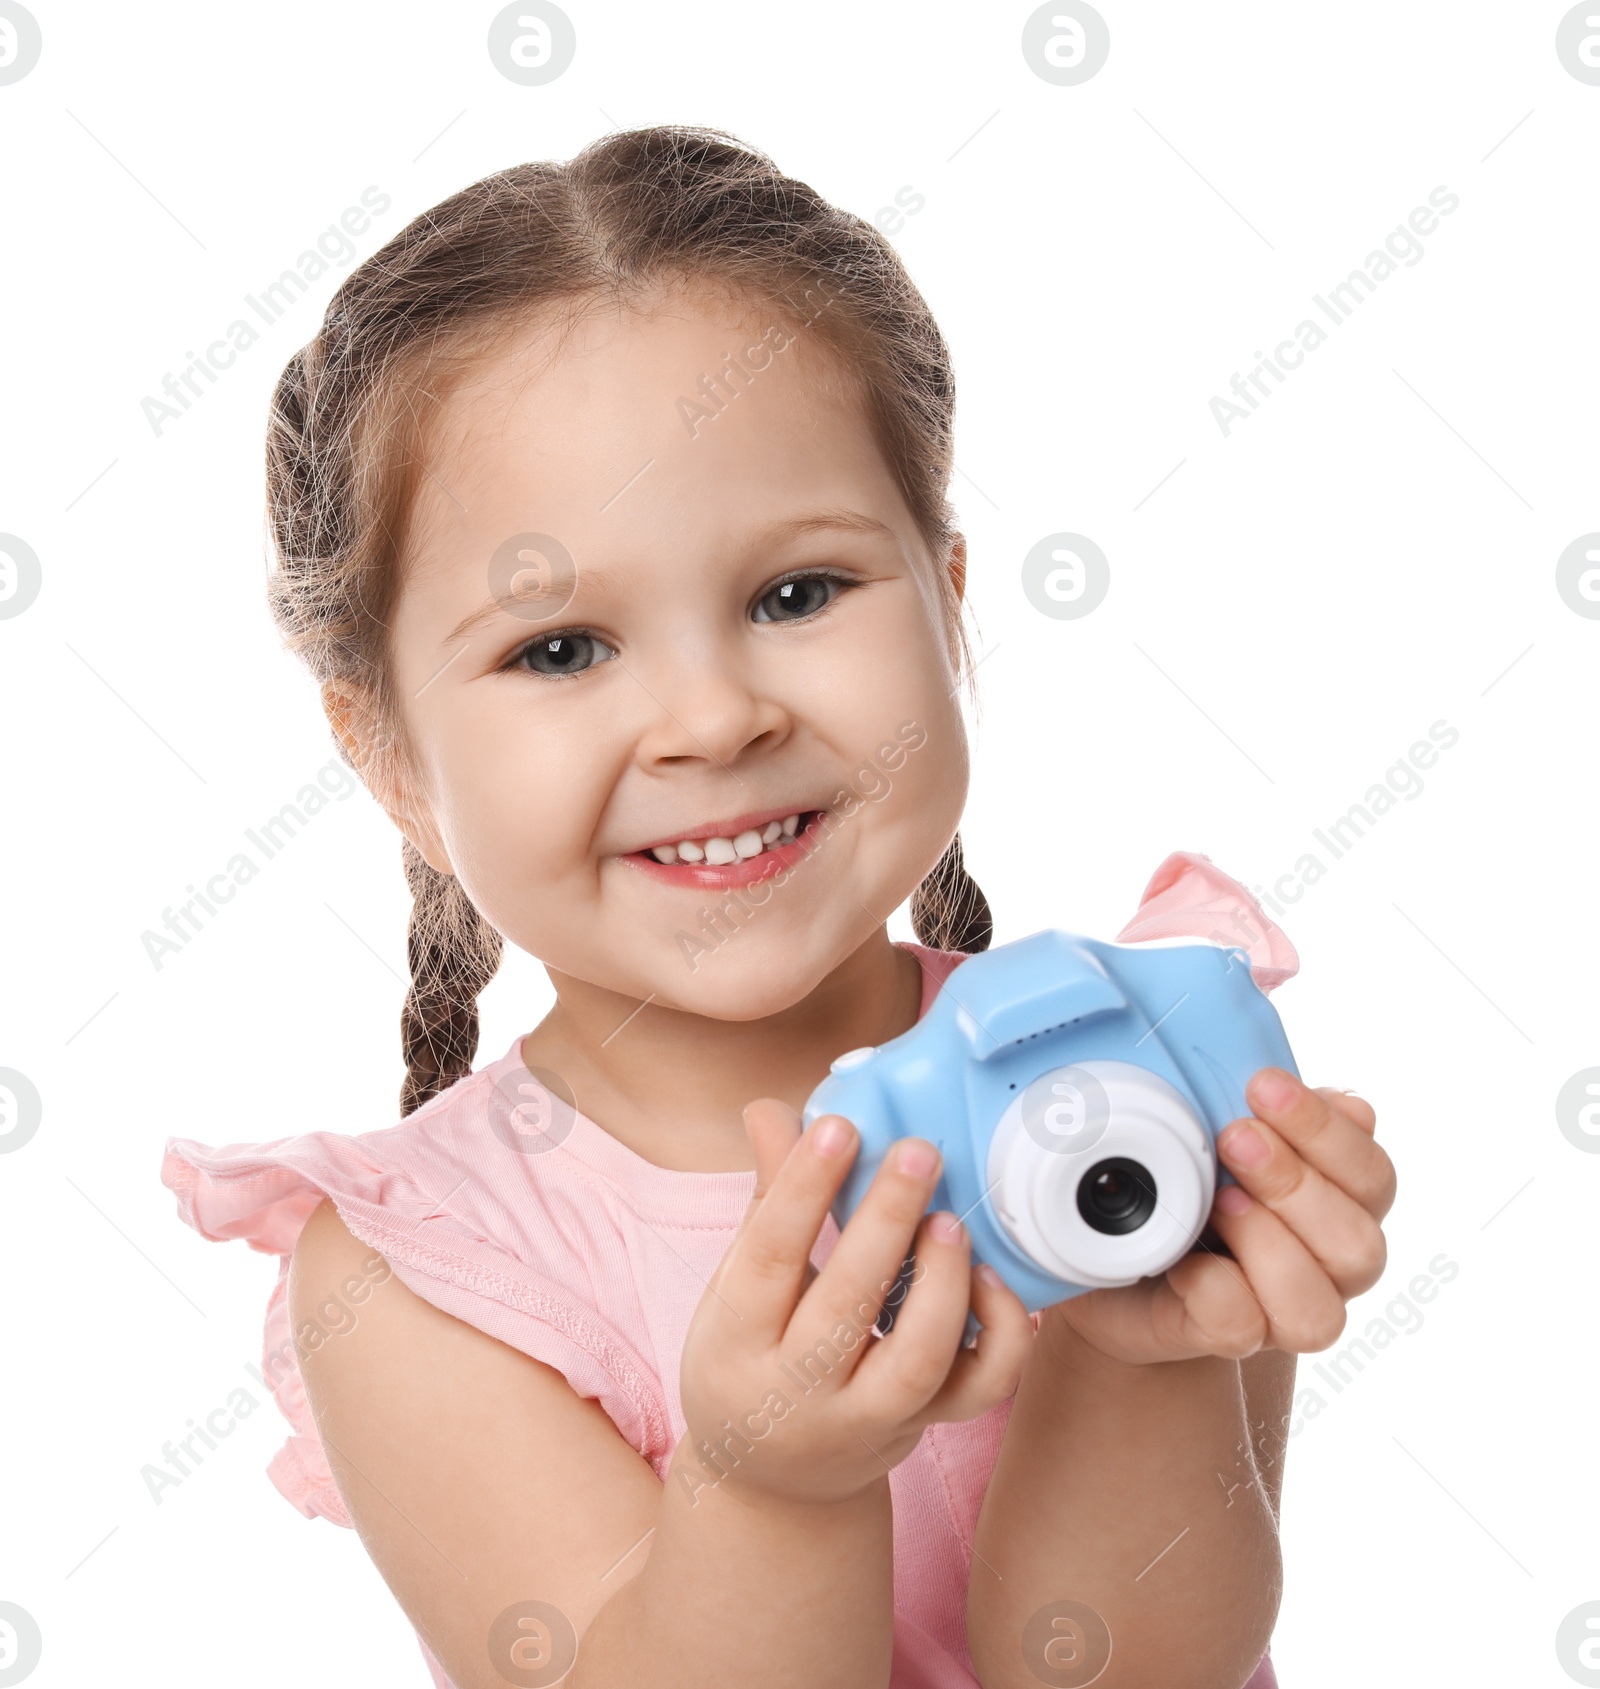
[781,1375]
[1302,1225]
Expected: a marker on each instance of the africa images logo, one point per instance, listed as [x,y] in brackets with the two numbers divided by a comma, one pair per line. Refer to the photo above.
[1401,245]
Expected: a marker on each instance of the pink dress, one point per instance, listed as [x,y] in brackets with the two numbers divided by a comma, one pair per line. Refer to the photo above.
[593,1260]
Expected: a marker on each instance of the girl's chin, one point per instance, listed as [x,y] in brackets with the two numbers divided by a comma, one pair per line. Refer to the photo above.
[747,975]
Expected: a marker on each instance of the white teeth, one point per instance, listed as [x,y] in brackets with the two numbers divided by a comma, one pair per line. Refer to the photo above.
[720,852]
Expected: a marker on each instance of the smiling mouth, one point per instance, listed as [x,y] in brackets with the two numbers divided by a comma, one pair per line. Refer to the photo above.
[720,850]
[733,854]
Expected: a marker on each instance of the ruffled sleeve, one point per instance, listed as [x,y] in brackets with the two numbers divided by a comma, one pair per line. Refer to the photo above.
[255,1192]
[299,1469]
[433,1211]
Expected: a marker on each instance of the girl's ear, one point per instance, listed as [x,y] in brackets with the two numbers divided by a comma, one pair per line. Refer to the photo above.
[958,566]
[357,726]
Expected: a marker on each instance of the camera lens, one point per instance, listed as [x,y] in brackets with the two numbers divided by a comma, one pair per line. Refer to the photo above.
[1116,1196]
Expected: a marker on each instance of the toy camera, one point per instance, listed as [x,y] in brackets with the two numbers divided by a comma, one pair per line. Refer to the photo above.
[1075,1089]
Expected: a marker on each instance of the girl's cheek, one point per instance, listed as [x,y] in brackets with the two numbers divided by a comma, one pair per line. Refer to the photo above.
[521,837]
[911,793]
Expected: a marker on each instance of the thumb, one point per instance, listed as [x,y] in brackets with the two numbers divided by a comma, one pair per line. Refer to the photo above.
[774,1128]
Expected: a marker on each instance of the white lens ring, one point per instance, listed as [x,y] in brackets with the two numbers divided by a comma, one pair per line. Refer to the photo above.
[1034,1187]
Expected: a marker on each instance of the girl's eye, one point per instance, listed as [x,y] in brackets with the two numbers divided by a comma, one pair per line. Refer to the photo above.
[563,653]
[789,601]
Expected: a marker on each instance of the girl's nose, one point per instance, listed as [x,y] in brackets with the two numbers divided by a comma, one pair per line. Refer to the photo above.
[706,712]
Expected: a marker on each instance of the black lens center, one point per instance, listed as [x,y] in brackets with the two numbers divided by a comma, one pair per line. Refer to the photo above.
[1116,1196]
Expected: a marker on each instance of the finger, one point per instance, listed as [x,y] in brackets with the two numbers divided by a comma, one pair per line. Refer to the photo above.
[1202,1305]
[766,1121]
[767,1264]
[901,1373]
[1327,1137]
[992,1368]
[1358,1108]
[1292,1302]
[1343,1236]
[874,1243]
[1128,1319]
[774,1128]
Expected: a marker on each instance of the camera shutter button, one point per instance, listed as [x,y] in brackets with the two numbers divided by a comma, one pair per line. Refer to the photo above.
[851,1058]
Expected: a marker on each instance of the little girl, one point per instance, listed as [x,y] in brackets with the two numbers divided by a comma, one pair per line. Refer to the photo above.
[610,504]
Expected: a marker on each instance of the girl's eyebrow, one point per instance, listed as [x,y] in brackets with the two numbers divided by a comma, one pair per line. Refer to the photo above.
[815,521]
[788,527]
[493,607]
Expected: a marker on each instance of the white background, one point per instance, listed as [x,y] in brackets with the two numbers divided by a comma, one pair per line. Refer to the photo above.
[1289,610]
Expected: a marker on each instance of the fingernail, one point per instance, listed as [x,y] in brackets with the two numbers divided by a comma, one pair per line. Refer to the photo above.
[1272,1088]
[830,1137]
[1244,1146]
[946,1228]
[989,1276]
[1232,1200]
[918,1159]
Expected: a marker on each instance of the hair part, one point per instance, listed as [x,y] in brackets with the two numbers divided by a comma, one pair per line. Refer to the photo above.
[633,214]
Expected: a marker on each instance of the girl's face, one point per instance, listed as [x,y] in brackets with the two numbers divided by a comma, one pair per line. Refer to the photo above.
[657,605]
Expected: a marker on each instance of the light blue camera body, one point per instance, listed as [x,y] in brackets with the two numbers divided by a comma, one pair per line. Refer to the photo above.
[1075,1089]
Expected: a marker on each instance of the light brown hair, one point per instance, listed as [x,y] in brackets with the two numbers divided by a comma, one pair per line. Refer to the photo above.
[633,212]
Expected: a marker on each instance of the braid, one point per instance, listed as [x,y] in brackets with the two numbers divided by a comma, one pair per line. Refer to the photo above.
[949,910]
[454,953]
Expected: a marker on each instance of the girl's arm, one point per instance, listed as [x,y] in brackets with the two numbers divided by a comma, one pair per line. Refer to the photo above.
[1140,1470]
[743,1591]
[478,1480]
[1268,1377]
[1130,1489]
